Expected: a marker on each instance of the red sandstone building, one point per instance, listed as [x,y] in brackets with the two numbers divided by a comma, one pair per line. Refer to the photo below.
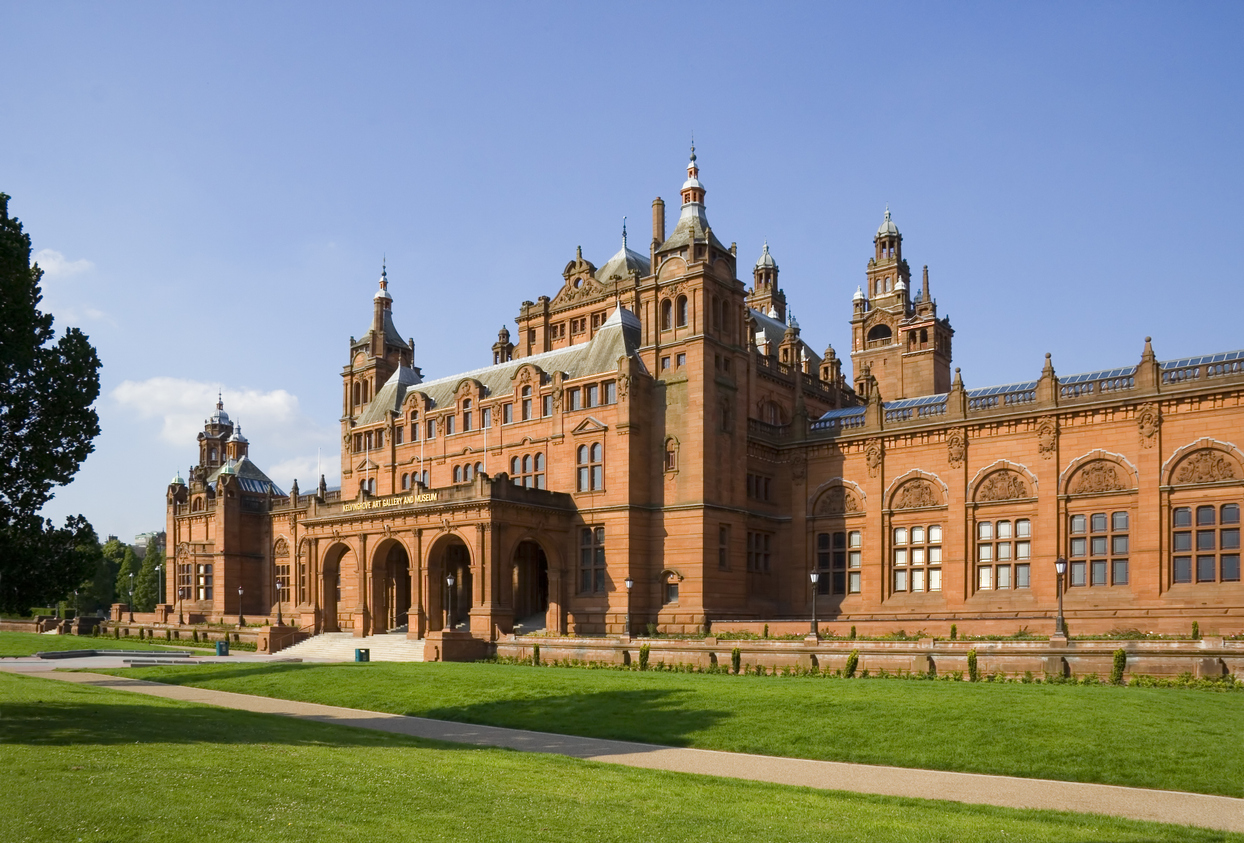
[660,423]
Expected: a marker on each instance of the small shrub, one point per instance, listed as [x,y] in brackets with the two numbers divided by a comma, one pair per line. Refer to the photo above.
[535,655]
[1196,631]
[973,672]
[1119,665]
[853,660]
[736,657]
[652,630]
[766,631]
[644,652]
[852,632]
[954,632]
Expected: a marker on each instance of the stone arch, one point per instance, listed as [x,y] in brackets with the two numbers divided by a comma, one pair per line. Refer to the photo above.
[1204,461]
[837,496]
[449,553]
[1003,480]
[339,586]
[391,569]
[1098,471]
[917,489]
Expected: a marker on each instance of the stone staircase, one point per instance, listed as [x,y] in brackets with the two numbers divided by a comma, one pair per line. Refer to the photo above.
[340,646]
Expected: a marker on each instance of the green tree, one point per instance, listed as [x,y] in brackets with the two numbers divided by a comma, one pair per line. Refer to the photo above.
[147,583]
[99,591]
[129,566]
[47,424]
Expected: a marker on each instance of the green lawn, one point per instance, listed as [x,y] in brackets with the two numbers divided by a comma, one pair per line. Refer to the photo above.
[1141,737]
[28,643]
[87,764]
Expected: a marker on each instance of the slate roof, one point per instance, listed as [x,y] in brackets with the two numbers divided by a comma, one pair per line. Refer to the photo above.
[618,337]
[249,476]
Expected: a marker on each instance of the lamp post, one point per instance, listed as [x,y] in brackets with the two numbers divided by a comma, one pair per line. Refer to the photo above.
[1060,567]
[181,596]
[449,601]
[278,603]
[241,620]
[131,596]
[815,577]
[627,629]
[160,582]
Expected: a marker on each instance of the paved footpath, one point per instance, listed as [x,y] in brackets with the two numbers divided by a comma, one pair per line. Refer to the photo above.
[1165,806]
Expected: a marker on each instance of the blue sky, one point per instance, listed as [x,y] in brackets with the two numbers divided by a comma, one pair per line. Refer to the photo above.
[212,186]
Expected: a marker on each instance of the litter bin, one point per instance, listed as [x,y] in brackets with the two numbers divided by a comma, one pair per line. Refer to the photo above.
[222,648]
[362,654]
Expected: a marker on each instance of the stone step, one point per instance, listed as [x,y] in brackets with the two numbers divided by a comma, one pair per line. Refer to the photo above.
[340,647]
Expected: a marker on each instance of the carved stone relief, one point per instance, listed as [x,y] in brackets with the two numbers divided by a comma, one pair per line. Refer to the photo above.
[798,468]
[1098,476]
[837,501]
[1002,486]
[873,455]
[1047,437]
[280,550]
[624,386]
[956,446]
[1205,467]
[916,494]
[1148,420]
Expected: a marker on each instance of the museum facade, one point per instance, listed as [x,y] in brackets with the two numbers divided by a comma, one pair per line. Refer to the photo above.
[656,445]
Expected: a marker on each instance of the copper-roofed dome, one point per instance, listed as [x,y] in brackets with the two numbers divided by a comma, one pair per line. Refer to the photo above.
[887,226]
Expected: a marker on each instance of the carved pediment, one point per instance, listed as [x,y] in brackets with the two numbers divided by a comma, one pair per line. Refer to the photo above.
[1003,486]
[915,494]
[1099,476]
[280,550]
[581,289]
[838,500]
[590,425]
[1206,466]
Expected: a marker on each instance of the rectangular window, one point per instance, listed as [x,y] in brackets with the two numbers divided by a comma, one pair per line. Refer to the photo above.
[576,399]
[1003,576]
[397,435]
[665,363]
[431,429]
[546,405]
[1231,567]
[485,417]
[1183,569]
[1099,572]
[1022,575]
[204,585]
[591,394]
[682,360]
[1205,568]
[466,421]
[1118,572]
[994,545]
[984,576]
[916,553]
[449,425]
[1078,571]
[611,392]
[592,560]
[507,413]
[723,547]
[1107,546]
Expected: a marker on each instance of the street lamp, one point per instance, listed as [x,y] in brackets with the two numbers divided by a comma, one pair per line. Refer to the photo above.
[278,603]
[160,580]
[181,596]
[449,601]
[241,620]
[1060,566]
[131,596]
[815,577]
[629,582]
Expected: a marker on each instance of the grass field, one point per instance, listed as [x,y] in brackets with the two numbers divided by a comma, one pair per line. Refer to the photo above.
[27,643]
[1141,737]
[100,766]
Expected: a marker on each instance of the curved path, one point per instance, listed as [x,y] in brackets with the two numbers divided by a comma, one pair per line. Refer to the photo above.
[1217,812]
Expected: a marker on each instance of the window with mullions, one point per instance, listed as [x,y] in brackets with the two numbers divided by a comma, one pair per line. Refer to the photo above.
[917,558]
[592,560]
[589,462]
[528,471]
[759,546]
[723,547]
[1003,549]
[1098,548]
[838,561]
[204,582]
[526,403]
[1205,543]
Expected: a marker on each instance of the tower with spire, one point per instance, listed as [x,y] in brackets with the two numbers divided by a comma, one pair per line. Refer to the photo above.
[896,340]
[765,295]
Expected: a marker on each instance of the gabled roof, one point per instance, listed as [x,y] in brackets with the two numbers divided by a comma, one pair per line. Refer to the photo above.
[249,477]
[618,337]
[773,331]
[692,225]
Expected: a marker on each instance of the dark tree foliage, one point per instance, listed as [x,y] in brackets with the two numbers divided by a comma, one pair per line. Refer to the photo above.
[47,424]
[147,583]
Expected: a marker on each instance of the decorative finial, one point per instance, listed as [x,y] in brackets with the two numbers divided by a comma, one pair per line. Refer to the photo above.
[623,234]
[220,402]
[693,146]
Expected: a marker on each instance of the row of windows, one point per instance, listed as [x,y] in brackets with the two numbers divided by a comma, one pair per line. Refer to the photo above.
[528,471]
[593,395]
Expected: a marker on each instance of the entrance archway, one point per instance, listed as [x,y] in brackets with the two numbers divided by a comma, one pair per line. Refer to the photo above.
[530,583]
[392,571]
[339,588]
[450,557]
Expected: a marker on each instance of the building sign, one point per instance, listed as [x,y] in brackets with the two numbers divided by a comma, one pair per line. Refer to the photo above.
[388,503]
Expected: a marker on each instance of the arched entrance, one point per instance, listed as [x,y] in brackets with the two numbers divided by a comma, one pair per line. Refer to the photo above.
[530,583]
[450,558]
[339,588]
[392,572]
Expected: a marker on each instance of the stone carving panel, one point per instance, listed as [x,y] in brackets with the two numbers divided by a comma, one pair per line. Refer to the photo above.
[915,494]
[1207,466]
[1003,486]
[1098,476]
[1047,437]
[1148,420]
[838,501]
[874,455]
[956,447]
[280,550]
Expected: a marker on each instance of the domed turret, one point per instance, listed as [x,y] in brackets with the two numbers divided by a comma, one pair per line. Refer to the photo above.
[887,227]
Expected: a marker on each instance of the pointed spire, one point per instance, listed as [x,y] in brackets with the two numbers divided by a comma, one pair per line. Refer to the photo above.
[1047,370]
[957,383]
[924,290]
[623,234]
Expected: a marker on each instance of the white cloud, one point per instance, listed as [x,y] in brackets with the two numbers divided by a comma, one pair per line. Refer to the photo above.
[303,468]
[55,265]
[272,421]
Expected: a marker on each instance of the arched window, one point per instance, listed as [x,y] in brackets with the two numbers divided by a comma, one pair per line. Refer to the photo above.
[667,315]
[590,467]
[880,334]
[211,455]
[772,413]
[671,455]
[358,393]
[479,468]
[682,311]
[514,471]
[457,474]
[405,481]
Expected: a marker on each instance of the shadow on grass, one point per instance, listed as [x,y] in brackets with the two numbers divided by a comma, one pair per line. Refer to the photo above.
[654,716]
